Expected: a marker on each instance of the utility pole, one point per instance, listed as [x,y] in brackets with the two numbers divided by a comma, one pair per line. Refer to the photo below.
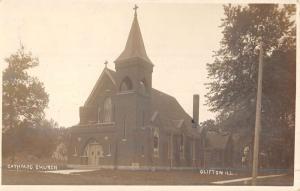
[258,115]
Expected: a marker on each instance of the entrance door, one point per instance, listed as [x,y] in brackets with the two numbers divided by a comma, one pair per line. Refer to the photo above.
[95,151]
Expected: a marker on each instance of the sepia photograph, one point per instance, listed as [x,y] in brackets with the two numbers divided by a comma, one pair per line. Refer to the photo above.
[148,93]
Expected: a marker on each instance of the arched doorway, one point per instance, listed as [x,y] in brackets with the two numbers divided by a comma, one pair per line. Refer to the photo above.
[94,151]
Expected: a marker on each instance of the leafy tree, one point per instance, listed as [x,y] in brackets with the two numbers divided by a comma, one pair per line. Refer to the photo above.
[23,101]
[235,68]
[24,96]
[208,124]
[39,141]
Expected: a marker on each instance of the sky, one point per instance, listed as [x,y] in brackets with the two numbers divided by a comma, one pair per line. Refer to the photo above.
[72,40]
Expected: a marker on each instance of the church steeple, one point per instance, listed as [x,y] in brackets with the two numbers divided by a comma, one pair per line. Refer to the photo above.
[135,45]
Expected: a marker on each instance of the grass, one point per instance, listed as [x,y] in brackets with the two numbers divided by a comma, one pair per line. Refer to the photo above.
[109,177]
[124,177]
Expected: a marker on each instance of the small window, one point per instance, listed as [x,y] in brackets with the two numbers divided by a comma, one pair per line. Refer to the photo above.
[114,113]
[181,142]
[109,150]
[99,114]
[143,87]
[156,143]
[142,151]
[124,129]
[181,147]
[169,146]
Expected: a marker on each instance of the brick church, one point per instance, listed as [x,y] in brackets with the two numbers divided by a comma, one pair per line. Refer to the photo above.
[126,123]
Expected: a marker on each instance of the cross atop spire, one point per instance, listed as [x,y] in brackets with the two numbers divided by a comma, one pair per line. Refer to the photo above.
[135,8]
[135,45]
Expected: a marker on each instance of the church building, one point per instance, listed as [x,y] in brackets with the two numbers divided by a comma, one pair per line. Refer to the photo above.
[127,124]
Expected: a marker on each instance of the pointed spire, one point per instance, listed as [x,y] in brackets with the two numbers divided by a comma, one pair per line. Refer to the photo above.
[135,45]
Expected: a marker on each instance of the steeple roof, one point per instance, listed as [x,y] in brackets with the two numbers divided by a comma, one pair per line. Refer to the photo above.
[135,45]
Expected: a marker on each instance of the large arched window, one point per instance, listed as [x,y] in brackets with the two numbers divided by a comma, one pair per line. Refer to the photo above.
[126,85]
[107,110]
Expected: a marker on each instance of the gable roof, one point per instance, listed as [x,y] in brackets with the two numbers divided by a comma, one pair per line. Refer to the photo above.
[135,47]
[167,105]
[171,114]
[106,72]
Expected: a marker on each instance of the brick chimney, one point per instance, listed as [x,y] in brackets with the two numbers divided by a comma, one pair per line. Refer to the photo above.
[195,110]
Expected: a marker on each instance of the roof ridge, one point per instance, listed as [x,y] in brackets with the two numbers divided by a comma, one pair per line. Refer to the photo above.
[104,71]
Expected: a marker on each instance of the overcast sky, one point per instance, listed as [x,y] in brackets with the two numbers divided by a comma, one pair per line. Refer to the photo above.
[72,39]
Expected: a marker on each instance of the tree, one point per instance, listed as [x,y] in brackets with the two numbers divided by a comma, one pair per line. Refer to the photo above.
[234,70]
[23,100]
[24,96]
[209,124]
[40,141]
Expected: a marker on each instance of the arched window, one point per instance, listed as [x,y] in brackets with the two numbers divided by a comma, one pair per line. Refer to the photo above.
[156,142]
[107,110]
[181,146]
[142,151]
[143,87]
[170,149]
[181,142]
[126,85]
[99,114]
[109,150]
[124,129]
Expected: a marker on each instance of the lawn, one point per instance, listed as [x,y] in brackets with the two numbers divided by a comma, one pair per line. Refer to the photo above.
[123,177]
[110,177]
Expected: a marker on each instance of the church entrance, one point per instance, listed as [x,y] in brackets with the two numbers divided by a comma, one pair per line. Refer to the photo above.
[94,152]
